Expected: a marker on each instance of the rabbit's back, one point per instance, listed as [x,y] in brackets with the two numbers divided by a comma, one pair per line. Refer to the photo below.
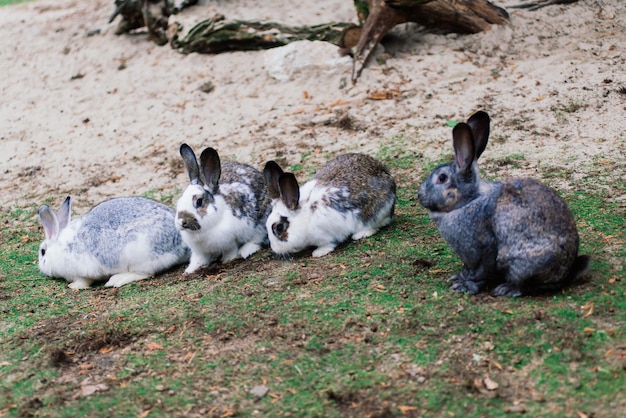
[360,183]
[536,232]
[109,227]
[244,189]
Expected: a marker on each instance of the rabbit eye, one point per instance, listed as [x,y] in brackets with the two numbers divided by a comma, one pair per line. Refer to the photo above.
[199,202]
[280,229]
[43,252]
[442,178]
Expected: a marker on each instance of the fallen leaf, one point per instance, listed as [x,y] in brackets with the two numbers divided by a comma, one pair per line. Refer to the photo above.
[227,412]
[338,102]
[154,346]
[588,306]
[404,409]
[498,365]
[384,95]
[144,414]
[582,414]
[4,363]
[5,411]
[85,366]
[490,384]
[87,390]
[189,357]
[105,350]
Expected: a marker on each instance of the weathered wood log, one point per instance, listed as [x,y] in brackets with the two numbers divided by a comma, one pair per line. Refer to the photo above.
[538,4]
[215,35]
[378,17]
[152,14]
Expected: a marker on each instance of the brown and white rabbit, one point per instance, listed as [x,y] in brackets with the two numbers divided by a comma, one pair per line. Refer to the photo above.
[222,212]
[352,196]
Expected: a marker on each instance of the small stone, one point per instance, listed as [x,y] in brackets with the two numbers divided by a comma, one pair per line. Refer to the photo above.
[490,384]
[259,391]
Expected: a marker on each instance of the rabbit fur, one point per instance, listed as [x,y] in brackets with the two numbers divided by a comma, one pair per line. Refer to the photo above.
[122,239]
[222,212]
[352,196]
[516,234]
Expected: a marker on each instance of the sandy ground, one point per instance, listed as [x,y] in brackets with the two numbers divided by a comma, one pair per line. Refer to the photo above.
[103,115]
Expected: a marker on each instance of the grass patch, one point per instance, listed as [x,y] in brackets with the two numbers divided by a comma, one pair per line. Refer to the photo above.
[9,2]
[370,330]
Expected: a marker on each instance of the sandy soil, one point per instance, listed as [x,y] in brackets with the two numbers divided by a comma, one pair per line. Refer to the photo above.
[103,115]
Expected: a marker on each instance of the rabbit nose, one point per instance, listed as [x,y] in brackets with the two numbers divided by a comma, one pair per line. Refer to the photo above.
[188,221]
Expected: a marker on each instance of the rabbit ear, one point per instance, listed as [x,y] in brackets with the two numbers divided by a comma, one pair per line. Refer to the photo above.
[289,190]
[191,164]
[211,168]
[463,146]
[48,219]
[65,213]
[479,122]
[272,172]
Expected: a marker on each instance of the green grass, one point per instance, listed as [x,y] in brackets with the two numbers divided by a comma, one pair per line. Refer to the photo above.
[372,329]
[9,2]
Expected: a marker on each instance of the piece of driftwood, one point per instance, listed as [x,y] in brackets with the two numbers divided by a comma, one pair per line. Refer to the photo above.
[538,4]
[153,14]
[378,17]
[215,35]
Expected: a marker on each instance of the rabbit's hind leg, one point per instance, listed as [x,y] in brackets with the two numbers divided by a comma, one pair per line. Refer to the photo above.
[120,279]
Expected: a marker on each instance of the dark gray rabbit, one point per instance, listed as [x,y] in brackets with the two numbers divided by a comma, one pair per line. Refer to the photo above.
[517,234]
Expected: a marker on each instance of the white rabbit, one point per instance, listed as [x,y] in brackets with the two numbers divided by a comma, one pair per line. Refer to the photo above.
[353,195]
[122,240]
[222,215]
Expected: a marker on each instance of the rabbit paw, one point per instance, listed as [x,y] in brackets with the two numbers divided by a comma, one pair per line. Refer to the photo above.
[230,255]
[196,261]
[507,289]
[120,279]
[80,283]
[462,283]
[248,249]
[322,251]
[364,233]
[456,278]
[466,286]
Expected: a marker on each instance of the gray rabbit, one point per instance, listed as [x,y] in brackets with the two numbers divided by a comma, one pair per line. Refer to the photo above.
[517,234]
[123,240]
